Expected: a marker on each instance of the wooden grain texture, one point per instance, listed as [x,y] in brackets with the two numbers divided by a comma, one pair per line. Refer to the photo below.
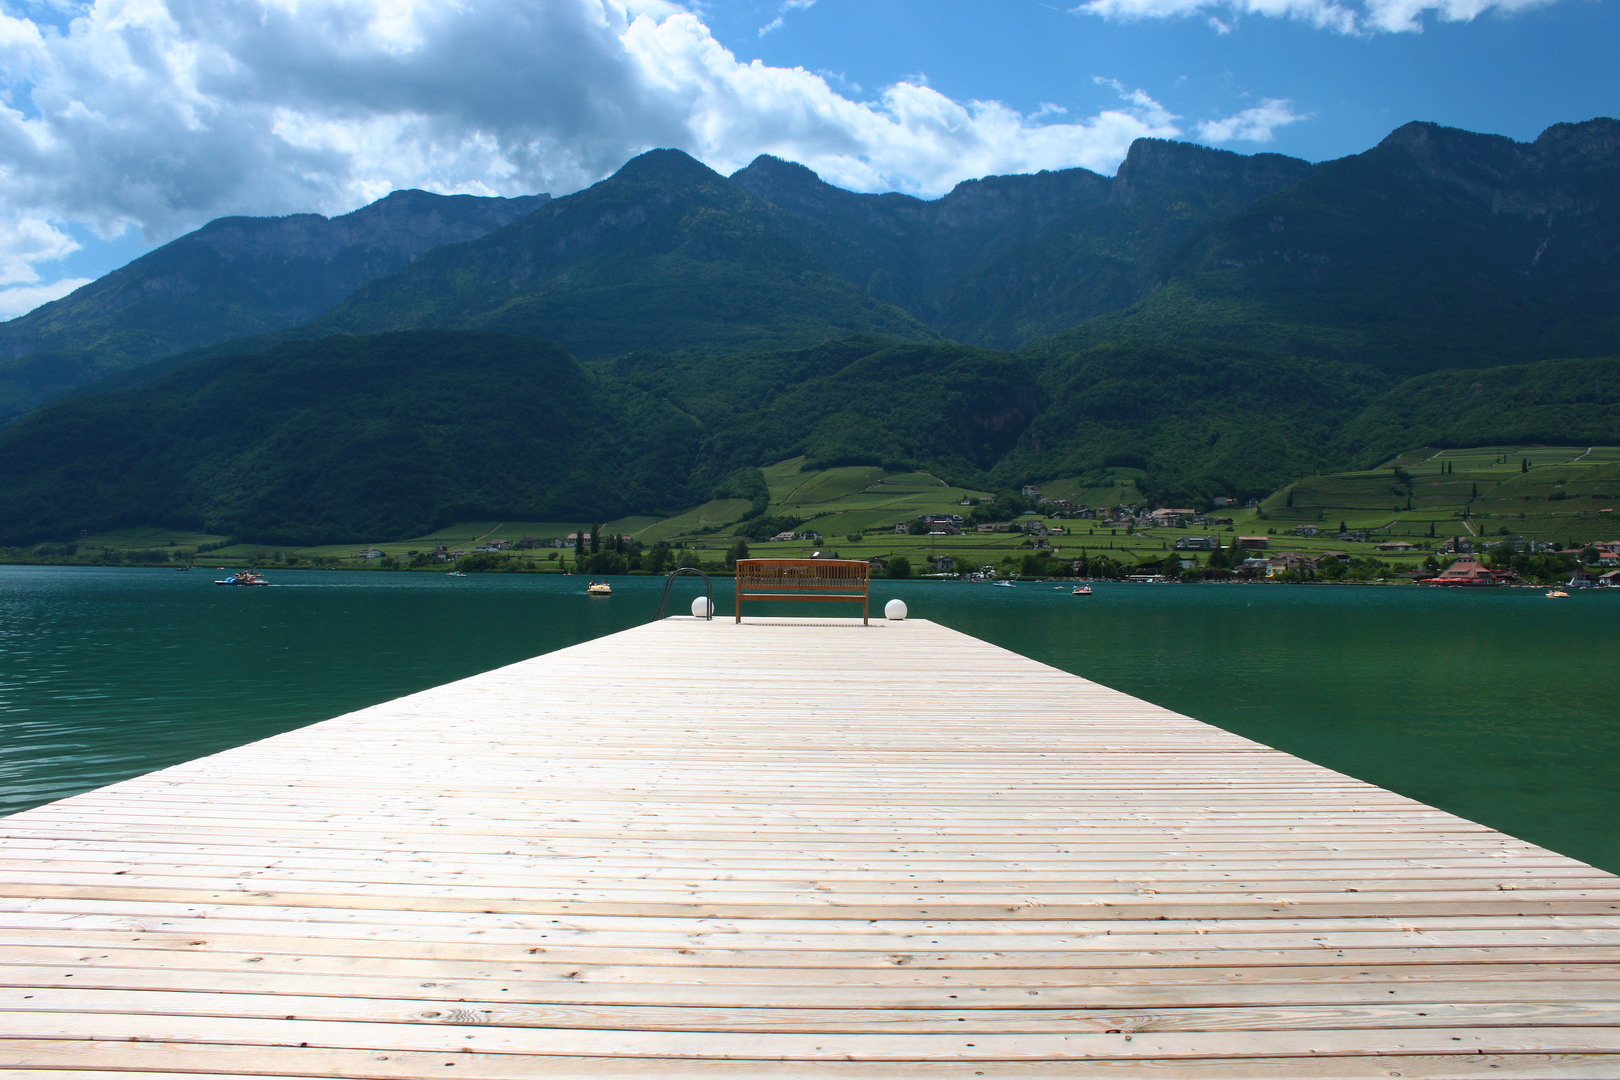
[785,849]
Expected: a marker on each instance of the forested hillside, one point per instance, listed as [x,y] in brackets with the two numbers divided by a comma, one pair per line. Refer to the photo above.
[345,438]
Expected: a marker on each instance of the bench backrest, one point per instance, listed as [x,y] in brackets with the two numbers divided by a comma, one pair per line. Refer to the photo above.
[847,576]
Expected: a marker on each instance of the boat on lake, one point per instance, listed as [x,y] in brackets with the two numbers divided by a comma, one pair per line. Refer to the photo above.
[1553,593]
[599,588]
[1003,584]
[1082,590]
[242,577]
[458,573]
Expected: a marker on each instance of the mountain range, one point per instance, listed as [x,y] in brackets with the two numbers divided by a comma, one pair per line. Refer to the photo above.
[1226,322]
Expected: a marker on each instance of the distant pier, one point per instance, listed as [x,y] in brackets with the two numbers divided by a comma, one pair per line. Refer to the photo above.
[788,848]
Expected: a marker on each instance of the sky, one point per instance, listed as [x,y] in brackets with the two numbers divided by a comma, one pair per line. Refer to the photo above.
[126,123]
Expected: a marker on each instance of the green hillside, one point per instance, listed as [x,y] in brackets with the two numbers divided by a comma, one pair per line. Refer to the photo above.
[1562,402]
[1552,493]
[666,254]
[348,439]
[1435,249]
[232,278]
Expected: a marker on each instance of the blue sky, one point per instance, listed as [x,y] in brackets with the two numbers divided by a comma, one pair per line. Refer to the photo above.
[1512,74]
[124,123]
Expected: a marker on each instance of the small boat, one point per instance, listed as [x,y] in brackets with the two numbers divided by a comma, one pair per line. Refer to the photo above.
[1556,592]
[242,577]
[1082,590]
[182,568]
[1003,584]
[599,588]
[458,573]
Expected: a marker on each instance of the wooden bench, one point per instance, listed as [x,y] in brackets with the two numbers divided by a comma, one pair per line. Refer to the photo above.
[804,579]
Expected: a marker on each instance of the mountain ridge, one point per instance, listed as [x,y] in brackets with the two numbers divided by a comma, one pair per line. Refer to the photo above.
[234,277]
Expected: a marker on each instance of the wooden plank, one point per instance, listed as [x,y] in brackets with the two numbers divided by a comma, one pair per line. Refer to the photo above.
[787,849]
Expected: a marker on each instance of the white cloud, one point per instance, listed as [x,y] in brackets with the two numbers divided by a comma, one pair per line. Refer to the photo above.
[781,14]
[1343,16]
[21,299]
[163,114]
[1251,125]
[27,241]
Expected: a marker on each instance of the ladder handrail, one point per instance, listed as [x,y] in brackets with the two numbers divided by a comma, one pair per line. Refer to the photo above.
[669,581]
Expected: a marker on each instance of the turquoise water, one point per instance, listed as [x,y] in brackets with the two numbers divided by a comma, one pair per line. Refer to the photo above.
[1499,705]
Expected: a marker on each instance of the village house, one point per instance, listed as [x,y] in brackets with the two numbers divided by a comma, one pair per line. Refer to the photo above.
[1284,561]
[1468,572]
[1357,537]
[441,553]
[812,536]
[1459,545]
[944,528]
[1396,545]
[1222,500]
[945,564]
[781,537]
[1255,564]
[1171,516]
[878,562]
[370,553]
[1253,543]
[1306,530]
[1197,543]
[1031,491]
[1582,578]
[1610,580]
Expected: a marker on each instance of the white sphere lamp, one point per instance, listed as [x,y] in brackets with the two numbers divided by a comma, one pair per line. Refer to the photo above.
[895,609]
[700,607]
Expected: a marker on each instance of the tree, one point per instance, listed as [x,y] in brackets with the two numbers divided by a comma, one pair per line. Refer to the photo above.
[1290,497]
[1343,528]
[659,558]
[899,567]
[1524,466]
[738,550]
[596,539]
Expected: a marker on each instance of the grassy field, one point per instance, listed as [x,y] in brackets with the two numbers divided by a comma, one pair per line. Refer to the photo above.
[1565,494]
[148,539]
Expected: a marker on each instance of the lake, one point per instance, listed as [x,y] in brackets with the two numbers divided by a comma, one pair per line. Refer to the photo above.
[1499,705]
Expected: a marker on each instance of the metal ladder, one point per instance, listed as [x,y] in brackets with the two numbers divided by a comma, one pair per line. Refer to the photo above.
[708,588]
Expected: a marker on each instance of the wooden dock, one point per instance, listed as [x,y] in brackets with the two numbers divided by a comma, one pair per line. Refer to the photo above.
[788,849]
